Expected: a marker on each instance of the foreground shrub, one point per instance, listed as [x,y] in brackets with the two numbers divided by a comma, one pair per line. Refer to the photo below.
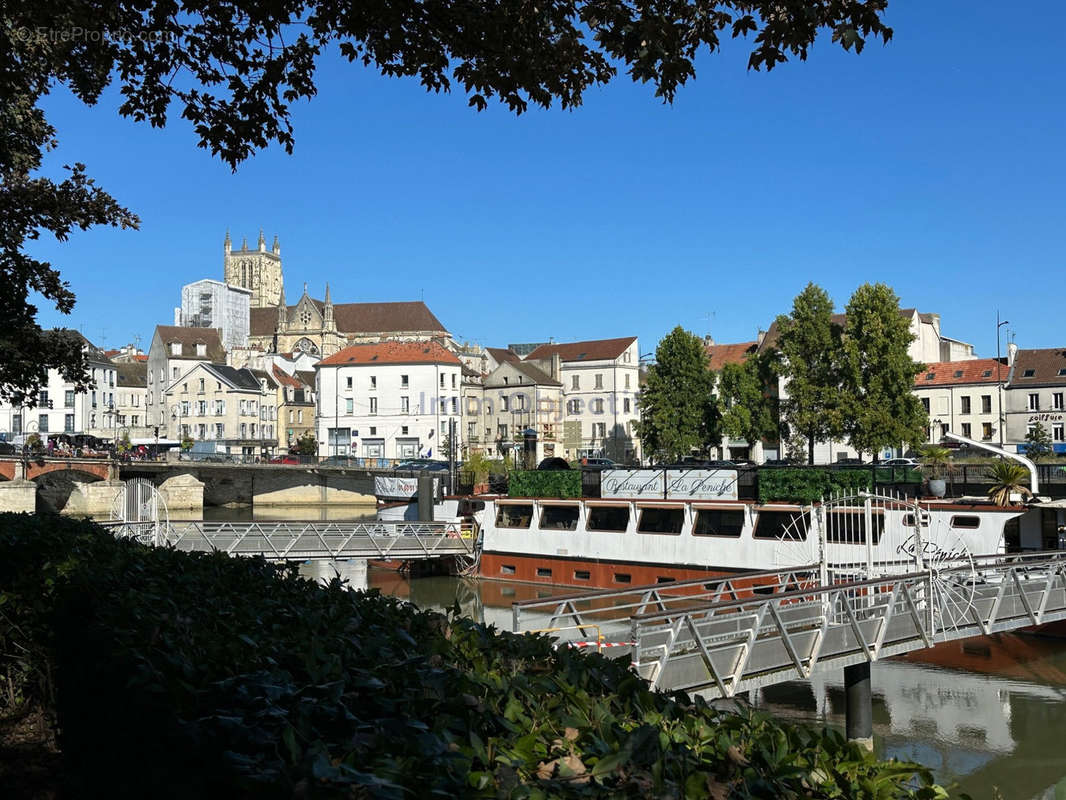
[545,483]
[180,675]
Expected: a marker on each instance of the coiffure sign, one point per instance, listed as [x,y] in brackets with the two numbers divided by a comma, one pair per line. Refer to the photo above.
[671,484]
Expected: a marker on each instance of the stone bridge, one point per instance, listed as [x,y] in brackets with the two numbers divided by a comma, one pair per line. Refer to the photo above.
[89,486]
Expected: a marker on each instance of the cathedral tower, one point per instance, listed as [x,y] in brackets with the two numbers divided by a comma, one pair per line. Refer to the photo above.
[258,270]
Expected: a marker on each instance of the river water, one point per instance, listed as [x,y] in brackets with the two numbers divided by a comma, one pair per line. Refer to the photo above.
[985,714]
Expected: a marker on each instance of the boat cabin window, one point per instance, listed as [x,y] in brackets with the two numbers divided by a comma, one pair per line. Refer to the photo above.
[514,516]
[623,577]
[908,520]
[558,518]
[849,527]
[965,522]
[613,519]
[718,522]
[582,575]
[781,525]
[661,520]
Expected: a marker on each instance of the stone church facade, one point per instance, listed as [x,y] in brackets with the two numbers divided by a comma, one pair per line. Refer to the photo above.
[257,270]
[318,327]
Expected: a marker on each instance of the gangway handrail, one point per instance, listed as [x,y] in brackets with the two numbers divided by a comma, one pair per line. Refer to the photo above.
[1013,560]
[733,645]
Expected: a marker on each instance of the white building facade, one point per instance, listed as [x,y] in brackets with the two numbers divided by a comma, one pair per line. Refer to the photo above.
[1036,395]
[62,409]
[600,384]
[963,397]
[389,400]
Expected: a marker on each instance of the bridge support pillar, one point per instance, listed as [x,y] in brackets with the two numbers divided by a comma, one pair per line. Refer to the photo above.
[353,570]
[18,496]
[425,498]
[859,705]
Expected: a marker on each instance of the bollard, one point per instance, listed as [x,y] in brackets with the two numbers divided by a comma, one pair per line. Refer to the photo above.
[425,498]
[858,705]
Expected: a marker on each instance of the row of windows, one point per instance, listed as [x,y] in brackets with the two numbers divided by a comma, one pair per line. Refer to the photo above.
[1058,431]
[405,381]
[575,380]
[217,408]
[1056,401]
[965,405]
[216,431]
[843,527]
[371,406]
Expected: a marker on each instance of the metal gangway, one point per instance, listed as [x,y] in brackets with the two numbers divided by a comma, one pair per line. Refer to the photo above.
[303,541]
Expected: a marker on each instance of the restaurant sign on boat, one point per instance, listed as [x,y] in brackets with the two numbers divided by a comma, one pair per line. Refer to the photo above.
[670,484]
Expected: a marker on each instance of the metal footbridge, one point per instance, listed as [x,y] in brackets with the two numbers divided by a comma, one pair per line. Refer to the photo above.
[302,541]
[729,635]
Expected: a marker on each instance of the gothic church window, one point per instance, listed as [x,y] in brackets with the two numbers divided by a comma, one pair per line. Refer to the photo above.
[305,345]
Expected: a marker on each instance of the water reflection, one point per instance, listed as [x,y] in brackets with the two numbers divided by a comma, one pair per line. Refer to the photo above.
[319,513]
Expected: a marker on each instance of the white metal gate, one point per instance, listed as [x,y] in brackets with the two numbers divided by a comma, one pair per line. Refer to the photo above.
[142,509]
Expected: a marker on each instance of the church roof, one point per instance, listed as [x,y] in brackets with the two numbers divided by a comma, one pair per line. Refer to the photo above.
[391,353]
[360,318]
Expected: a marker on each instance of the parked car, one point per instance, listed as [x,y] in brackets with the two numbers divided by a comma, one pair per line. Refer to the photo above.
[8,449]
[776,462]
[901,462]
[288,458]
[598,463]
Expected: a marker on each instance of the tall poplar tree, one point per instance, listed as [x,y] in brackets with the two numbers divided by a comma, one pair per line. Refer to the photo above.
[678,414]
[882,409]
[811,354]
[747,399]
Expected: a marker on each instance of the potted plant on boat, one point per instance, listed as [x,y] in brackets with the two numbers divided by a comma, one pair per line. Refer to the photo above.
[935,460]
[476,470]
[1010,482]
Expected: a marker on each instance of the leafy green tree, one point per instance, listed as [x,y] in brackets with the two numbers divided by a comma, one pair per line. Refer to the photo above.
[233,71]
[882,410]
[678,413]
[307,444]
[1037,441]
[747,399]
[809,342]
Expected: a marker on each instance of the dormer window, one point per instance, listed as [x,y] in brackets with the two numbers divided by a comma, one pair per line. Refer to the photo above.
[175,348]
[930,376]
[958,373]
[1028,373]
[201,349]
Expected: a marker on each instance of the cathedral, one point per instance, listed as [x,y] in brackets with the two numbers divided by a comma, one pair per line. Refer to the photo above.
[318,327]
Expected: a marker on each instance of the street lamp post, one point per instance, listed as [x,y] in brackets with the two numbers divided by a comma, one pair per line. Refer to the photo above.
[999,380]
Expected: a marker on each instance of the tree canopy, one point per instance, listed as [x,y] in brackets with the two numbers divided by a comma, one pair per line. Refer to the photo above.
[748,401]
[882,409]
[678,414]
[233,69]
[809,340]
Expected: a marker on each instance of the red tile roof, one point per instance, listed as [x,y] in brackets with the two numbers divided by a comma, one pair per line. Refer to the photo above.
[392,353]
[946,373]
[722,354]
[285,379]
[595,350]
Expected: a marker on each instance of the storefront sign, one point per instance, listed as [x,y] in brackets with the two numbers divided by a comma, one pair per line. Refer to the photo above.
[1034,418]
[398,487]
[676,484]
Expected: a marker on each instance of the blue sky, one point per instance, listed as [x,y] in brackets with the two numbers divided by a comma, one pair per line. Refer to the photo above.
[934,164]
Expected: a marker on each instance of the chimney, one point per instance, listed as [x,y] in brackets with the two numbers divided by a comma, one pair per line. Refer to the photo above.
[708,340]
[759,337]
[177,317]
[557,367]
[1012,353]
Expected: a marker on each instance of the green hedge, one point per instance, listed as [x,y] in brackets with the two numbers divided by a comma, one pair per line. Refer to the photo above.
[183,675]
[809,484]
[545,483]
